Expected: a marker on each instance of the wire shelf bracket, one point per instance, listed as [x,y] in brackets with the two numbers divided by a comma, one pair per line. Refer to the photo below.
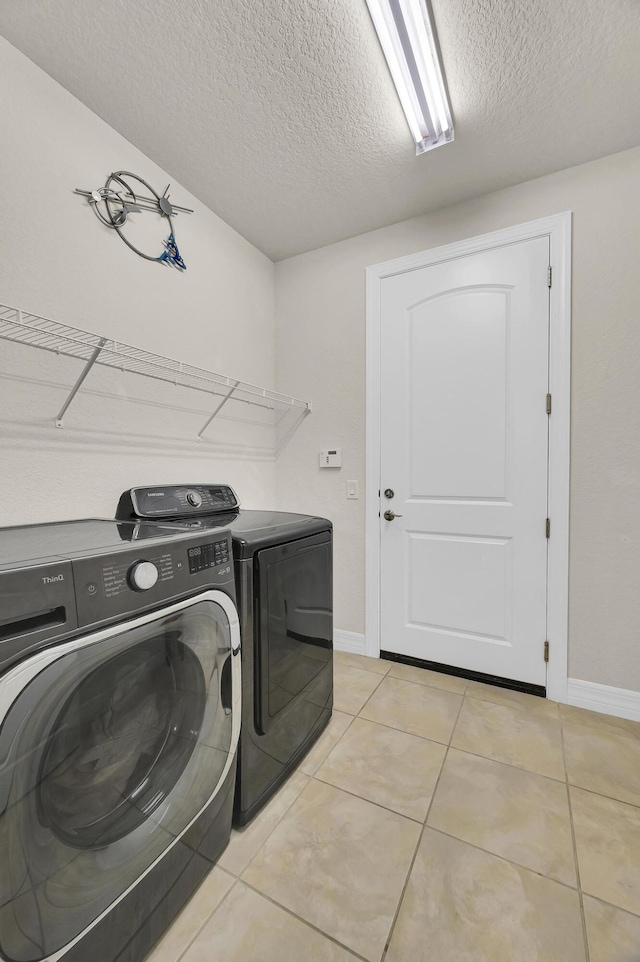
[41,332]
[216,411]
[76,387]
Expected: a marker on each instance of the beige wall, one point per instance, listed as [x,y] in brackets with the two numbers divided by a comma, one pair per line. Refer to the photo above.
[320,307]
[57,260]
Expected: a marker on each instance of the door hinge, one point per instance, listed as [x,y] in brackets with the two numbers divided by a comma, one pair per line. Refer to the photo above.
[548,527]
[549,275]
[546,651]
[548,404]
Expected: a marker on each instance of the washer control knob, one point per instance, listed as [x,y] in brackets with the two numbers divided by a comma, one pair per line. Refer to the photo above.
[143,575]
[194,499]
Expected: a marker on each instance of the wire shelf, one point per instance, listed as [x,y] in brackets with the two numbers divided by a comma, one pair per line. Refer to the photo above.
[48,335]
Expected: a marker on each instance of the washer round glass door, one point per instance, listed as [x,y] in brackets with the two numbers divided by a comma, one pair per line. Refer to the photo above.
[110,747]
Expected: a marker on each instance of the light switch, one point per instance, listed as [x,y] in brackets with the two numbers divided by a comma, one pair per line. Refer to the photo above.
[352,490]
[331,458]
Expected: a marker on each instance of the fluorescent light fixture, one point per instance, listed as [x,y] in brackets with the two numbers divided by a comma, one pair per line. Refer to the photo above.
[408,42]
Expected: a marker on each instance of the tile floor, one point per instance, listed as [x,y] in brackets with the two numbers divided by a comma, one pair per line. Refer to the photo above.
[436,820]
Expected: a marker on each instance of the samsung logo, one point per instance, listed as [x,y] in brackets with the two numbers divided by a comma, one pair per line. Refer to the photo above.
[155,494]
[51,579]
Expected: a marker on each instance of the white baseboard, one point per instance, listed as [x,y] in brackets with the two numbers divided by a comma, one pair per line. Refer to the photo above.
[351,641]
[604,698]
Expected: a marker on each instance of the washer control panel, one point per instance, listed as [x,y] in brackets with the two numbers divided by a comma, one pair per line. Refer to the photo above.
[206,556]
[121,574]
[108,586]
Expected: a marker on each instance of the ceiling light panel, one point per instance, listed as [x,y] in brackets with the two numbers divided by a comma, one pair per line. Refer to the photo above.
[408,41]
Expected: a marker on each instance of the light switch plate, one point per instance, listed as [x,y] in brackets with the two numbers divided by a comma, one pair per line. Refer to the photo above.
[352,490]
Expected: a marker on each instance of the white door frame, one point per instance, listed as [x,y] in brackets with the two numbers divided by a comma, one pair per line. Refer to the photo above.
[558,229]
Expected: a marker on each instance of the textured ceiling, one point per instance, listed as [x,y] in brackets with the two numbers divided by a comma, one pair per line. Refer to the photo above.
[281,116]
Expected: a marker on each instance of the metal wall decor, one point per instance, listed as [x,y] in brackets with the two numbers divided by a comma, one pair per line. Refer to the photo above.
[114,202]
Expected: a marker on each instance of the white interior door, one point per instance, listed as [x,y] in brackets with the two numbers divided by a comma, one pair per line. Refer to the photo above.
[464,448]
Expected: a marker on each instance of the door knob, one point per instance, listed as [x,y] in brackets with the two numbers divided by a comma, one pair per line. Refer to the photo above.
[389,515]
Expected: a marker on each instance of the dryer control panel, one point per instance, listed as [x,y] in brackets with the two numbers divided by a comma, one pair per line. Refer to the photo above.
[177,501]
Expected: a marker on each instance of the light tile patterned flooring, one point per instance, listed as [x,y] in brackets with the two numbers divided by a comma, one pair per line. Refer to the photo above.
[436,820]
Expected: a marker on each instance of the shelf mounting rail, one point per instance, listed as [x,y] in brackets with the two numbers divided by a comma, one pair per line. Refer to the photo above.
[48,335]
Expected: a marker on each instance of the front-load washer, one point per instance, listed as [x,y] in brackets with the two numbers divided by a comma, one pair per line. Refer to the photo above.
[283,569]
[119,722]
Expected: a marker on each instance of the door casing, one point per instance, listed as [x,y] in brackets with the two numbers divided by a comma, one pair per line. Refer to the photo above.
[558,229]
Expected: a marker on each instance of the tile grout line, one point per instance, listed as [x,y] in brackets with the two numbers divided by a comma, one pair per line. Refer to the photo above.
[237,879]
[403,730]
[440,831]
[374,674]
[445,744]
[369,697]
[393,727]
[500,761]
[361,798]
[208,918]
[437,687]
[612,905]
[543,717]
[503,858]
[293,801]
[299,918]
[420,837]
[464,751]
[268,836]
[240,877]
[372,671]
[290,806]
[464,694]
[369,801]
[500,704]
[611,798]
[603,719]
[352,718]
[575,847]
